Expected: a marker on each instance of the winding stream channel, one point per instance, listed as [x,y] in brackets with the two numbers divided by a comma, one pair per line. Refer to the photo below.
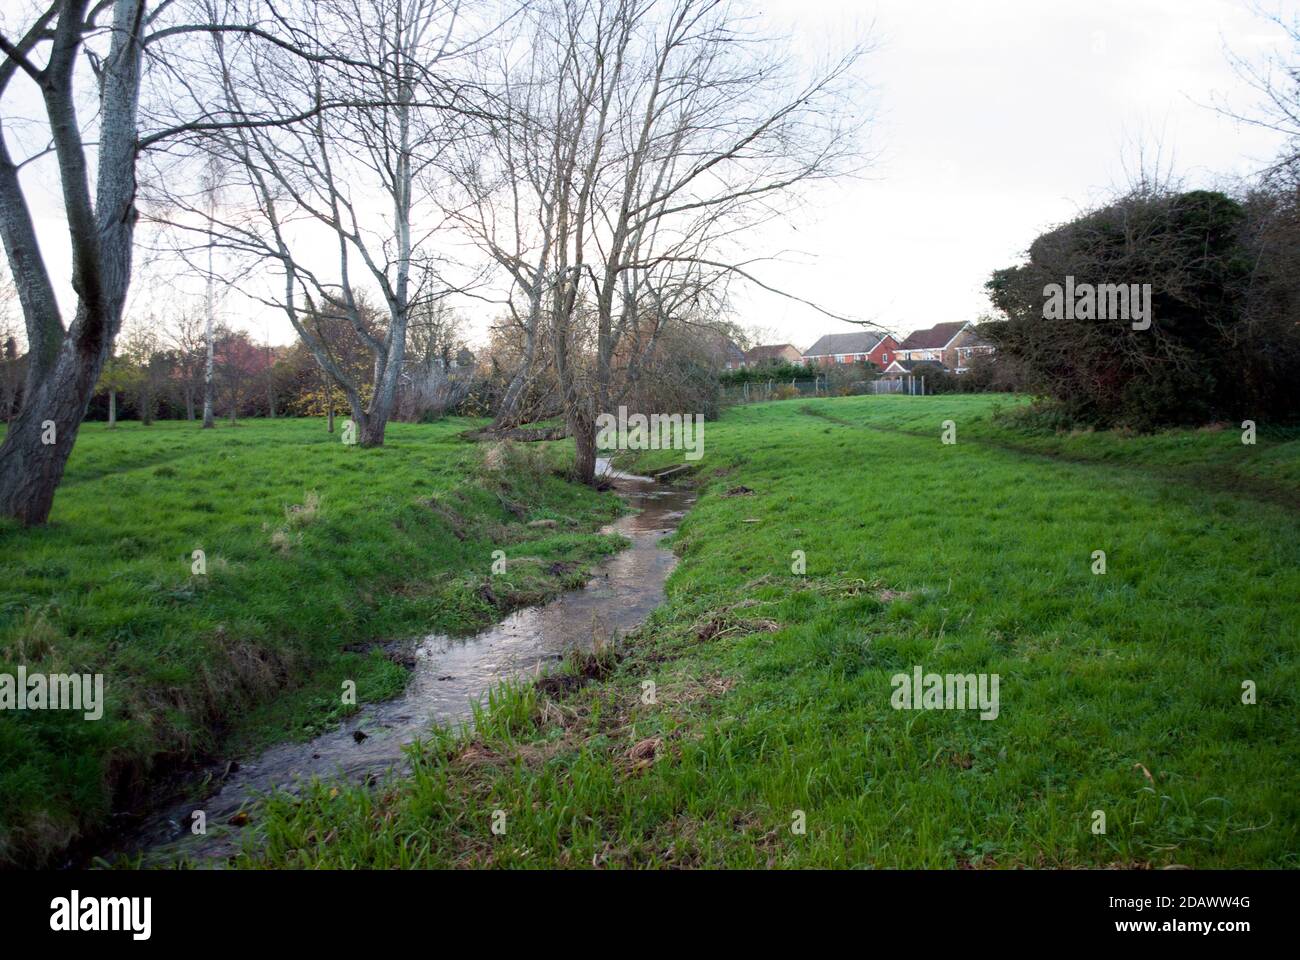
[450,675]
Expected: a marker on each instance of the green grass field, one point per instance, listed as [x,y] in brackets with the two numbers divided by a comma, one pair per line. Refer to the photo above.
[315,553]
[1120,693]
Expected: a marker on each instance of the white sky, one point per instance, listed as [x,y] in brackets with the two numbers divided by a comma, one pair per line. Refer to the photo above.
[995,119]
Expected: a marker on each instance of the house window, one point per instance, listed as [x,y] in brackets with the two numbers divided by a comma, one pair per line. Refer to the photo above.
[884,358]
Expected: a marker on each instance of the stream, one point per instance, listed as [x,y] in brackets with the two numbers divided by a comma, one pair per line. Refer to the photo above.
[449,676]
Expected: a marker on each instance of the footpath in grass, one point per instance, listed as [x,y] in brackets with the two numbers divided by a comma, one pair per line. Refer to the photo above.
[769,738]
[315,556]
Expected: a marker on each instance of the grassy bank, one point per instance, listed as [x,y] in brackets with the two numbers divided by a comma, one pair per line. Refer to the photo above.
[315,554]
[1120,693]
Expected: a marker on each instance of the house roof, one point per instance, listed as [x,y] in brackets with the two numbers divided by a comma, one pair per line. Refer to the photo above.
[913,366]
[935,338]
[836,344]
[769,352]
[722,347]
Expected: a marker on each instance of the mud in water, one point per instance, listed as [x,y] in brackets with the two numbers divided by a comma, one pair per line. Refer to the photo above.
[450,675]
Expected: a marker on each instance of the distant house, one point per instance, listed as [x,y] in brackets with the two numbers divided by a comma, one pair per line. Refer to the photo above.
[950,344]
[733,358]
[774,355]
[721,350]
[885,352]
[967,345]
[859,347]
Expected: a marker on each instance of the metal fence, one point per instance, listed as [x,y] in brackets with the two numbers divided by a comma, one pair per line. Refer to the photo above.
[908,385]
[820,386]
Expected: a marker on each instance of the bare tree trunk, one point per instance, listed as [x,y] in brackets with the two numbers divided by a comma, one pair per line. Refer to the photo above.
[112,409]
[65,366]
[329,401]
[508,411]
[583,428]
[36,448]
[371,433]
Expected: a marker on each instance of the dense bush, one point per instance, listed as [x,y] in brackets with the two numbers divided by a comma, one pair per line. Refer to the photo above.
[762,374]
[1223,341]
[986,373]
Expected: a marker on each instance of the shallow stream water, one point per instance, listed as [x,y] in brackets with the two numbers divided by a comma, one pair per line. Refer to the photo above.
[450,675]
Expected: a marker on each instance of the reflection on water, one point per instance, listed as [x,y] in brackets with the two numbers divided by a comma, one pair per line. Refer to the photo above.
[451,673]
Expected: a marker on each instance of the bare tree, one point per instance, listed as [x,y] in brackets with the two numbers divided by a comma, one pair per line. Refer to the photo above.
[297,190]
[670,128]
[506,185]
[188,339]
[152,366]
[1276,80]
[67,47]
[63,364]
[434,379]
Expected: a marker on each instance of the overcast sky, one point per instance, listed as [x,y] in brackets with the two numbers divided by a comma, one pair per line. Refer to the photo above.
[997,119]
[994,120]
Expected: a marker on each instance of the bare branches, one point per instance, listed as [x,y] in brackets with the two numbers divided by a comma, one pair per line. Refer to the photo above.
[641,140]
[331,152]
[1277,82]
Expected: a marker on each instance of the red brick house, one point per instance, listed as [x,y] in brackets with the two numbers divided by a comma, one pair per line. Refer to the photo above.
[884,352]
[851,348]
